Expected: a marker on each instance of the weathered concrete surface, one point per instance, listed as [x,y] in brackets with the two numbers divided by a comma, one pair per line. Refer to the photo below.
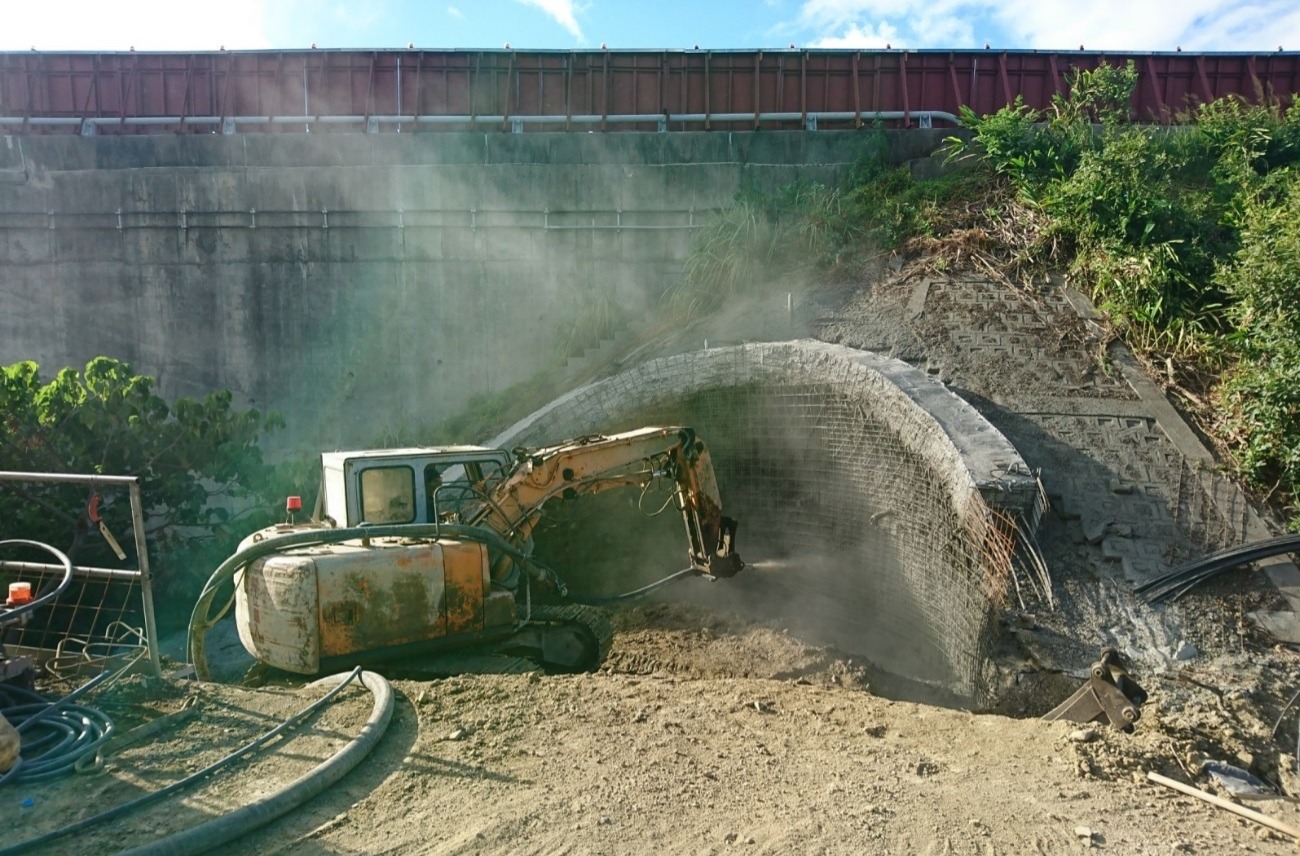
[870,475]
[356,282]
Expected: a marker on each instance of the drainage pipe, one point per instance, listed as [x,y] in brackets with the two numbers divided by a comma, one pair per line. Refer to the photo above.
[88,125]
[1187,576]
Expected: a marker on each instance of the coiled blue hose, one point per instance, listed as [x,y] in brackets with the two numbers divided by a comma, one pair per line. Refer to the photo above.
[55,734]
[67,731]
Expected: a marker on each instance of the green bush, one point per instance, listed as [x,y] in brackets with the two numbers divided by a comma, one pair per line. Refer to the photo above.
[759,240]
[593,315]
[1100,95]
[1144,241]
[1033,149]
[1018,145]
[203,480]
[1262,392]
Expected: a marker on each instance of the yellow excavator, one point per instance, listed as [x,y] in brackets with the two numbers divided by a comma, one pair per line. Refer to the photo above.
[421,551]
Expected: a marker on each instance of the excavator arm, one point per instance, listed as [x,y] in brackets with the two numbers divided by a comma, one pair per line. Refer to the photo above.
[512,506]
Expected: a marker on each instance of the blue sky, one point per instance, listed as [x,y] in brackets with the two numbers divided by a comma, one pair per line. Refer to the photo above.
[1256,25]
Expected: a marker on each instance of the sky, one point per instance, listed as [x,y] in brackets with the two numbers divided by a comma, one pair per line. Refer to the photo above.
[1138,25]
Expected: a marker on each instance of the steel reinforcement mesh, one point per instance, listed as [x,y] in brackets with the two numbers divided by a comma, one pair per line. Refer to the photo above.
[863,538]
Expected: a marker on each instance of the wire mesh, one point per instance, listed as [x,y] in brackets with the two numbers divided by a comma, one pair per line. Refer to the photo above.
[889,552]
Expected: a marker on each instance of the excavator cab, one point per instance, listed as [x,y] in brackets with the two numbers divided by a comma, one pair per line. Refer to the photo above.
[397,486]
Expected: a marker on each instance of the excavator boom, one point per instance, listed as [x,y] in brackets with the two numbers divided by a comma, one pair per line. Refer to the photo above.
[596,463]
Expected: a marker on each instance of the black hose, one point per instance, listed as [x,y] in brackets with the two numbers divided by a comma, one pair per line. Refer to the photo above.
[12,613]
[140,802]
[77,730]
[1187,576]
[240,822]
[55,734]
[628,595]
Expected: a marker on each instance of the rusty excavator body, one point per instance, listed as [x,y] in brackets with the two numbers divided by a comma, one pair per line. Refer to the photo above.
[418,552]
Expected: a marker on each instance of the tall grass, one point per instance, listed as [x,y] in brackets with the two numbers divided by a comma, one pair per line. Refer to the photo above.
[758,241]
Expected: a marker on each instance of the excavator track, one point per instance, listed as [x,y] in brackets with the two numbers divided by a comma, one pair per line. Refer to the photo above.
[584,638]
[565,637]
[555,638]
[466,663]
[590,617]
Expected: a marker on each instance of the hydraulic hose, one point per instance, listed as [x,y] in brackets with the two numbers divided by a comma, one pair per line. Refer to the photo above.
[595,600]
[201,617]
[240,822]
[370,734]
[56,735]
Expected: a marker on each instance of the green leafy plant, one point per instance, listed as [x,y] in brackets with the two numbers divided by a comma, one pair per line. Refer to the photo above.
[1261,395]
[1016,144]
[1101,95]
[204,482]
[1033,149]
[1145,242]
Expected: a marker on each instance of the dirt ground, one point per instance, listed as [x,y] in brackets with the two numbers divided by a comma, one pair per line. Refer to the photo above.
[707,732]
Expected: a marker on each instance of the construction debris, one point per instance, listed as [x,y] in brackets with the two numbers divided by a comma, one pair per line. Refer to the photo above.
[1249,814]
[1240,783]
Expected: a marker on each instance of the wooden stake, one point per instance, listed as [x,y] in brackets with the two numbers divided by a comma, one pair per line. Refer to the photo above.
[1249,814]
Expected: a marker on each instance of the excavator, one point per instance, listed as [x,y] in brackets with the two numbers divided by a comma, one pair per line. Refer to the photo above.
[418,552]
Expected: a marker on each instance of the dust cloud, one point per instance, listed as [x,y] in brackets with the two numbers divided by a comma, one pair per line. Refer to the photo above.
[823,543]
[469,278]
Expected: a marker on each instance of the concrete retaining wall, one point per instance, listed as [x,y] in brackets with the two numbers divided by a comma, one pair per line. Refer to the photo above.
[357,282]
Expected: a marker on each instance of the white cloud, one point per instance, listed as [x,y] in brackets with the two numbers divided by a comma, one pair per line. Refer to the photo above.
[561,11]
[840,13]
[1141,25]
[866,36]
[911,23]
[455,13]
[356,17]
[142,24]
[1136,25]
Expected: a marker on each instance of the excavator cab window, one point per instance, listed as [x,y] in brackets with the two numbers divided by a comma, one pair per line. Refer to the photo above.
[488,473]
[450,489]
[432,484]
[387,495]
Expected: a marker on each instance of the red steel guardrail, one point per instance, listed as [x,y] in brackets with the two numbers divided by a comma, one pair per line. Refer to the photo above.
[419,90]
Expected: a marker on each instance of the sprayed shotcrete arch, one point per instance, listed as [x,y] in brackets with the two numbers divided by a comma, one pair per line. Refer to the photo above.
[892,501]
